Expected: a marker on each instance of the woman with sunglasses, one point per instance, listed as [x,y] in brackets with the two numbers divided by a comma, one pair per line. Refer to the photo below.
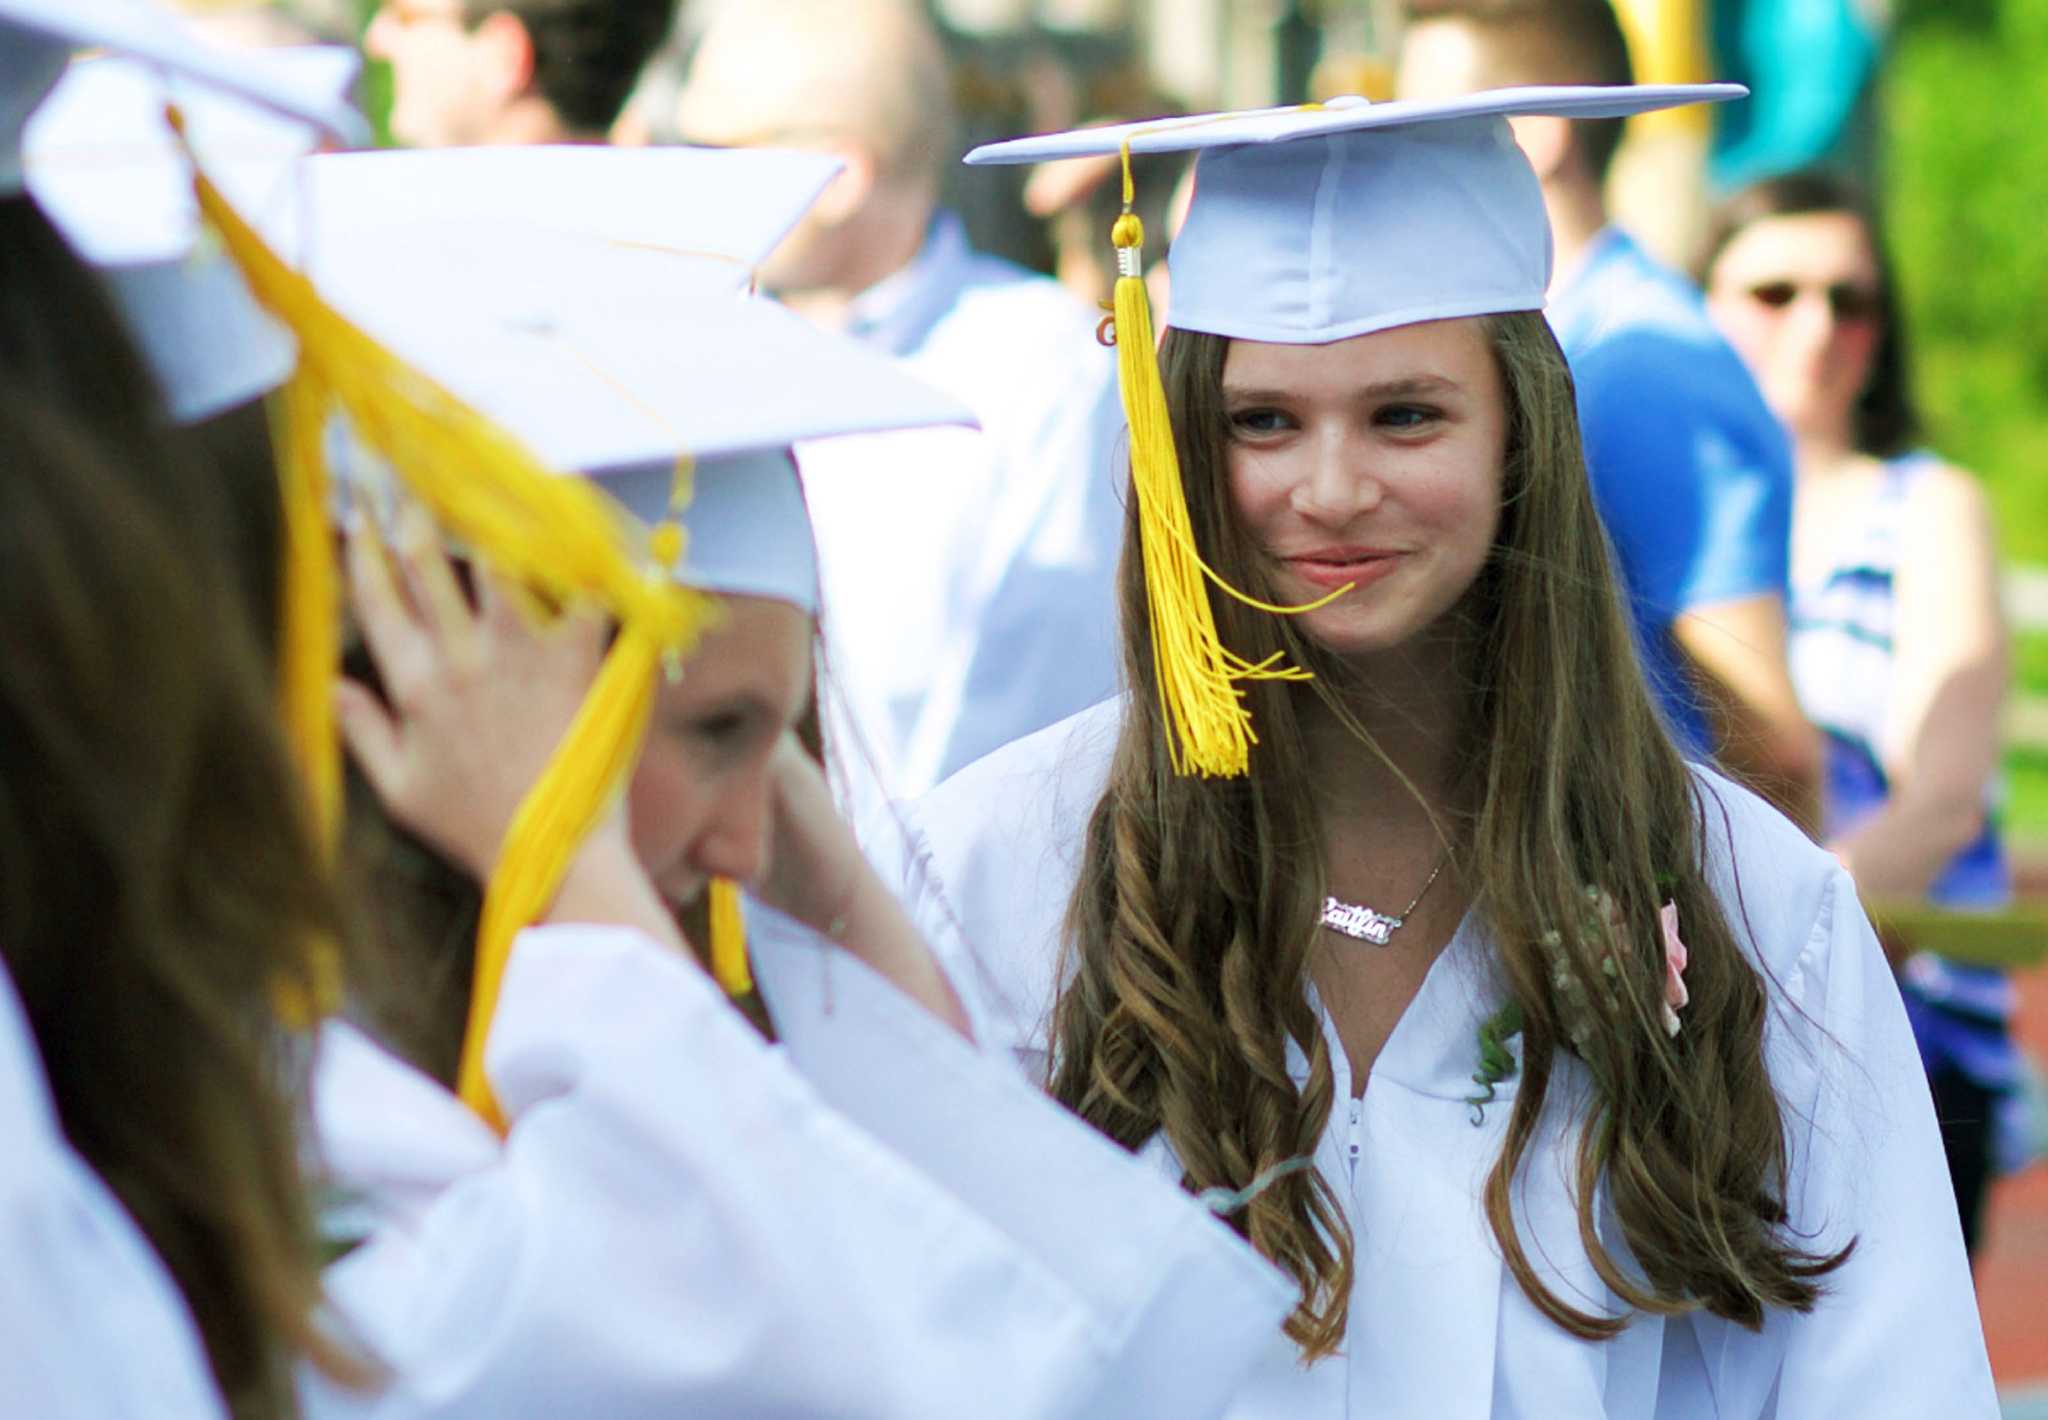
[1898,646]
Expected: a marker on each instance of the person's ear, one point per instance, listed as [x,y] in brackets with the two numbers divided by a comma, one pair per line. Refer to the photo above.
[506,46]
[1545,140]
[847,193]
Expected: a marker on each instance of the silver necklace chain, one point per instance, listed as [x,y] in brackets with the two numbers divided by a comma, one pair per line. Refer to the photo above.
[1365,924]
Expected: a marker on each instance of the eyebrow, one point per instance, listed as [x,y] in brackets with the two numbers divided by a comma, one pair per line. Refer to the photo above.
[1404,388]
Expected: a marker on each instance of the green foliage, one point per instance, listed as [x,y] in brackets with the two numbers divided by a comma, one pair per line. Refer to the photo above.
[1966,120]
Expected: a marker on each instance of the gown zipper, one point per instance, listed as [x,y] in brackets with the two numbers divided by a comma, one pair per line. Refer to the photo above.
[1357,1120]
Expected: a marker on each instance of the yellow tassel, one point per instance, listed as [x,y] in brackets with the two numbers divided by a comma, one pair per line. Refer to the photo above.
[565,802]
[729,966]
[308,652]
[1209,727]
[595,758]
[308,649]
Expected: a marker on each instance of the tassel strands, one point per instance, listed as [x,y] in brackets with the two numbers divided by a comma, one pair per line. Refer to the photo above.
[552,821]
[588,769]
[1210,727]
[729,965]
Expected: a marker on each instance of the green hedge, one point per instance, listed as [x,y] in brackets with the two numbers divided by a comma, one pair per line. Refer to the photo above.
[1966,184]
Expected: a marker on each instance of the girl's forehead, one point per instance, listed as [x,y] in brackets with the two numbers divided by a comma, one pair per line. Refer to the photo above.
[1451,352]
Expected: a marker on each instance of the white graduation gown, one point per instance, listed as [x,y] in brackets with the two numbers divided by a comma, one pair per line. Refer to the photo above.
[678,1224]
[1173,1288]
[1438,1325]
[91,1324]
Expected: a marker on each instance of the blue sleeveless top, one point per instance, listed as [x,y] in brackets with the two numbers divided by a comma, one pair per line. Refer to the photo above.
[1842,667]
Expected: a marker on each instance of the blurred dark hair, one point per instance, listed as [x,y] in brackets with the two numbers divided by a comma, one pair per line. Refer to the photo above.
[587,54]
[1584,44]
[1886,420]
[62,341]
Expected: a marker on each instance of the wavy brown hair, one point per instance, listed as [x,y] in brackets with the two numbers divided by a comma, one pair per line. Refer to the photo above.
[159,884]
[1190,929]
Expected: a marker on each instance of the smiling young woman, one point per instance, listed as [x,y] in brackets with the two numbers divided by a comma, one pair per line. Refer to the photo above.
[1562,1076]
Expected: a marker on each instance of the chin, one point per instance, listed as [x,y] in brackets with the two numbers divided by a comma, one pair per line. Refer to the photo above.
[1350,637]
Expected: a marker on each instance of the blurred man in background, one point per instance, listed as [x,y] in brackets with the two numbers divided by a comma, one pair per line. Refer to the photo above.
[467,72]
[967,576]
[1692,474]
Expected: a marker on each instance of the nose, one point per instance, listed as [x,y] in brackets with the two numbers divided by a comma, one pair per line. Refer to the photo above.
[1340,483]
[734,843]
[1810,319]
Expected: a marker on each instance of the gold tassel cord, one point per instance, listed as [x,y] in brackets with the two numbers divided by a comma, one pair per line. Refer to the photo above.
[729,939]
[307,655]
[574,790]
[1210,730]
[308,649]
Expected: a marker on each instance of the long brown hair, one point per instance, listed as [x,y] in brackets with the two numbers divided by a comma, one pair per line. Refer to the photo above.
[1190,928]
[158,885]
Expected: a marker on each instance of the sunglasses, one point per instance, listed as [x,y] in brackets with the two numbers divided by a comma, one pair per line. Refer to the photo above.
[1848,303]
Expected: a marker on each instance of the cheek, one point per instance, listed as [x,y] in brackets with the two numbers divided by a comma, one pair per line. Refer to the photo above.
[1749,330]
[664,804]
[1260,484]
[1855,351]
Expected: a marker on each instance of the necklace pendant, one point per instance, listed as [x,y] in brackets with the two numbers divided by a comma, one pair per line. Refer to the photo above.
[1359,922]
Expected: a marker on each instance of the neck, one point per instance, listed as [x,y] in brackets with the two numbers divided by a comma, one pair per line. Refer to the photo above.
[531,121]
[879,241]
[1818,452]
[1578,213]
[1411,702]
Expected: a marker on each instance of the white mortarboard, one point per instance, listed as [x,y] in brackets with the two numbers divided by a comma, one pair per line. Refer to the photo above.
[1309,225]
[122,201]
[40,35]
[1316,224]
[100,159]
[608,333]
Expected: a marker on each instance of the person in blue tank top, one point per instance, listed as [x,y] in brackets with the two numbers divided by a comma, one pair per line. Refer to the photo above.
[1691,473]
[1899,648]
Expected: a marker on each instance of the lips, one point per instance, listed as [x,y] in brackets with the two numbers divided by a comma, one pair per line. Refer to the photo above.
[1335,566]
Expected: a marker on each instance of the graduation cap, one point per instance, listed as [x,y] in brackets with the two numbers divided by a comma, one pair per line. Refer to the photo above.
[100,159]
[611,341]
[1309,225]
[38,37]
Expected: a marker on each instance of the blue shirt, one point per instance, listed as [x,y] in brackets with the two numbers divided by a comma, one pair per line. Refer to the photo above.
[1691,473]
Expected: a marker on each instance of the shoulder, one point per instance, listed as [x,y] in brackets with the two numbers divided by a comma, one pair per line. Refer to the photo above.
[1944,499]
[1649,355]
[992,858]
[1000,302]
[26,1111]
[91,1321]
[1030,788]
[1779,889]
